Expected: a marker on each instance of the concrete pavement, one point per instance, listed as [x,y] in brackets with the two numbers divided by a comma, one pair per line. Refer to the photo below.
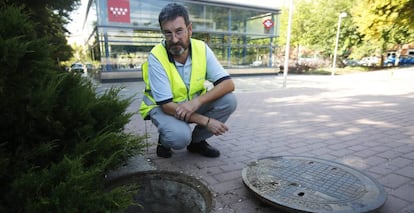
[364,120]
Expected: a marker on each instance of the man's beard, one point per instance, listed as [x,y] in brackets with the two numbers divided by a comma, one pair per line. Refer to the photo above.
[177,48]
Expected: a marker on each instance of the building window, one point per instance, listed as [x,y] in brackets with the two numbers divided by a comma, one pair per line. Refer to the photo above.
[235,33]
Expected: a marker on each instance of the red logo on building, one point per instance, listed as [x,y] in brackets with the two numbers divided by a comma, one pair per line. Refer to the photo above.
[268,23]
[118,11]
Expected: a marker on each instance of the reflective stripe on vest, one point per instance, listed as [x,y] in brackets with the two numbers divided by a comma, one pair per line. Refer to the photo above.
[178,88]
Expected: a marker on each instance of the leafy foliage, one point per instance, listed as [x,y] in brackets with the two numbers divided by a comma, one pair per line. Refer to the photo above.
[370,28]
[314,25]
[58,138]
[386,26]
[51,16]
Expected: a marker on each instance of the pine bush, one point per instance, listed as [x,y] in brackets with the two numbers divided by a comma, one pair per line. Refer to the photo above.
[58,137]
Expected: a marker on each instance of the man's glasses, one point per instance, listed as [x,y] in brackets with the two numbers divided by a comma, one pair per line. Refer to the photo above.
[178,34]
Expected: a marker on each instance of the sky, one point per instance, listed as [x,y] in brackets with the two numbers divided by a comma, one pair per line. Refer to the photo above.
[75,27]
[77,35]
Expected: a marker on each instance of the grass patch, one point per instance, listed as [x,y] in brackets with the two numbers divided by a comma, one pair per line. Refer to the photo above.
[341,71]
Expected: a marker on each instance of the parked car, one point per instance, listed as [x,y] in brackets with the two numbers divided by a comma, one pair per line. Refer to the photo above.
[390,61]
[403,60]
[77,68]
[369,61]
[406,60]
[351,62]
[89,67]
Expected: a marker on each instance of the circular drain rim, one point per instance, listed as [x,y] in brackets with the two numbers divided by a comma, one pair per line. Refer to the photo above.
[299,191]
[178,177]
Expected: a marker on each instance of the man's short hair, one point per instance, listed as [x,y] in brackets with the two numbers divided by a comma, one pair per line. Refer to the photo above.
[172,11]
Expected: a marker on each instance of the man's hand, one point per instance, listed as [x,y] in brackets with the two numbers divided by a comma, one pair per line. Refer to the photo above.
[216,127]
[186,109]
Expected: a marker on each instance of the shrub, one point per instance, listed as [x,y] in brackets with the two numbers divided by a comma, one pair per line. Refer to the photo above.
[58,137]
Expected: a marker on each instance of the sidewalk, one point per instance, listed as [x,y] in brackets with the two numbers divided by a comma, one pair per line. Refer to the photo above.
[364,120]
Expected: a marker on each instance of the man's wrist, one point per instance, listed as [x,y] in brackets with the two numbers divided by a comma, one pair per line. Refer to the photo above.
[208,121]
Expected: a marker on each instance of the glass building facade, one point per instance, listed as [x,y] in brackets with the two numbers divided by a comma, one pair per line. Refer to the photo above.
[122,32]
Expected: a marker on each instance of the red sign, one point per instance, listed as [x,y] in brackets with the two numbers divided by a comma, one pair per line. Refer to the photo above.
[118,11]
[268,23]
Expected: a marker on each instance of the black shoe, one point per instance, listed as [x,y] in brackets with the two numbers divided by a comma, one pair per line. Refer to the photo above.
[204,149]
[163,152]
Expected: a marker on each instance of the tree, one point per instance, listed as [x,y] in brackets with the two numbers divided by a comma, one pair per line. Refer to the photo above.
[406,12]
[384,22]
[314,26]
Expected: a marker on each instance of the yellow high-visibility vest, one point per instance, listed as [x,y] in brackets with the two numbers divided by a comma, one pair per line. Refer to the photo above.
[178,88]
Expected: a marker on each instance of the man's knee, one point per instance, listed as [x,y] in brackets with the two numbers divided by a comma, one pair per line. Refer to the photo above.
[177,138]
[229,101]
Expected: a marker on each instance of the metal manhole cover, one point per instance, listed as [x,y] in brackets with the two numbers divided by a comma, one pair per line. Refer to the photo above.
[305,184]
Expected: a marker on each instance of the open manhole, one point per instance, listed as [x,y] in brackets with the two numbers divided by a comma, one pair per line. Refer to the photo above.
[305,184]
[167,192]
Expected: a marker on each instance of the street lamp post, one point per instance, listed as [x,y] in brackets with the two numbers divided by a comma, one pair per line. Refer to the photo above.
[342,15]
[287,51]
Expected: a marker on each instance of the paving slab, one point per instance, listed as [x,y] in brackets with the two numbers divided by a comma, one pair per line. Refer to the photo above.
[362,120]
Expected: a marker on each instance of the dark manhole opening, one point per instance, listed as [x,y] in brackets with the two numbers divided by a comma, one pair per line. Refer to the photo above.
[167,192]
[306,184]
